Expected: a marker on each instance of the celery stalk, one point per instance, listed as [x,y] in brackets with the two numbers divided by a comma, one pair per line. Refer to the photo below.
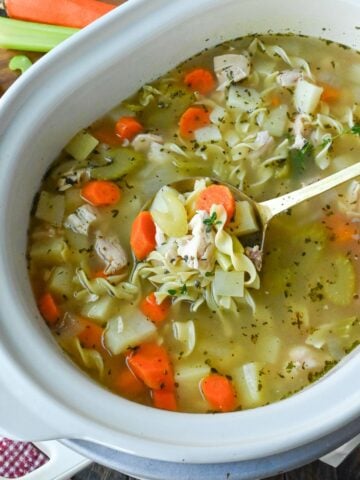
[35,37]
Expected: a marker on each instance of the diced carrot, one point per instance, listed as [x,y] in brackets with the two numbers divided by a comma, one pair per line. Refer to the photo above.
[67,13]
[98,274]
[127,127]
[192,119]
[341,229]
[219,392]
[330,93]
[156,312]
[164,399]
[91,335]
[128,384]
[101,193]
[151,364]
[142,237]
[200,80]
[275,101]
[216,195]
[48,308]
[106,134]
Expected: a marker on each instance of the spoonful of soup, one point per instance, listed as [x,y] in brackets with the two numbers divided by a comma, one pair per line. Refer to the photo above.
[220,215]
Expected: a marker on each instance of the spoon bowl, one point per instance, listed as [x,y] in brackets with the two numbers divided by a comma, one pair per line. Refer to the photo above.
[267,210]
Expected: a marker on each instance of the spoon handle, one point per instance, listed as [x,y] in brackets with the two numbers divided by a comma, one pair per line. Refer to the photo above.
[272,207]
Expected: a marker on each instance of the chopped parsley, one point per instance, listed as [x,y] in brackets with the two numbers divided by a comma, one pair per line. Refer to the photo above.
[211,221]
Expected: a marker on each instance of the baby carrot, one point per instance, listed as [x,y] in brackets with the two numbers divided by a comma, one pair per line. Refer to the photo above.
[128,384]
[219,392]
[216,195]
[101,193]
[91,335]
[67,13]
[127,127]
[200,80]
[142,237]
[192,119]
[330,93]
[341,229]
[164,399]
[48,308]
[151,364]
[156,312]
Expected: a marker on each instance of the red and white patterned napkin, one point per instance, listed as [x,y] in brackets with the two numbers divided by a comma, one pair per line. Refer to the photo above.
[19,458]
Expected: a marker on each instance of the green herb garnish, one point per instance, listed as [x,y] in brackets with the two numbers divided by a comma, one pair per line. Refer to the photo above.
[300,158]
[211,221]
[172,292]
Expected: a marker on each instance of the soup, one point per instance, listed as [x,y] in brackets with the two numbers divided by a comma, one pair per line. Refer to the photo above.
[160,293]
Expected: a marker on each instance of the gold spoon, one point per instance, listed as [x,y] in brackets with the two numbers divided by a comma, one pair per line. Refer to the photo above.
[266,211]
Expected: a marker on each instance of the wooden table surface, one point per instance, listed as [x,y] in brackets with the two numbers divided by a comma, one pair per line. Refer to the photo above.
[348,470]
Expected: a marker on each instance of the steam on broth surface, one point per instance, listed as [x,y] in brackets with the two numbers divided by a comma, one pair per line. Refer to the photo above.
[192,325]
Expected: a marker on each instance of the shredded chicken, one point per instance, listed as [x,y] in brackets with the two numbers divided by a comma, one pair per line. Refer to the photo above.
[350,203]
[71,178]
[231,68]
[255,255]
[263,142]
[288,78]
[112,253]
[143,141]
[304,357]
[299,130]
[81,219]
[197,249]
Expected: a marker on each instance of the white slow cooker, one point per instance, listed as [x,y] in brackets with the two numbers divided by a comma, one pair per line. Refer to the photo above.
[42,394]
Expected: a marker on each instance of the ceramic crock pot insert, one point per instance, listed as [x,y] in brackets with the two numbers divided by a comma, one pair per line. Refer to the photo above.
[67,90]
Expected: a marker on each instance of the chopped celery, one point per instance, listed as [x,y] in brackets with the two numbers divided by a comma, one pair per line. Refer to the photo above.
[268,348]
[122,162]
[81,145]
[50,208]
[35,37]
[169,107]
[125,331]
[20,62]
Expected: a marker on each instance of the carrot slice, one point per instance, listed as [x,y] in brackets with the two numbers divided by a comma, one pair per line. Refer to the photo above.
[330,93]
[101,193]
[200,80]
[216,195]
[192,119]
[219,392]
[142,237]
[341,229]
[151,364]
[91,335]
[275,101]
[156,312]
[48,308]
[106,134]
[127,127]
[99,274]
[67,13]
[128,384]
[164,399]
